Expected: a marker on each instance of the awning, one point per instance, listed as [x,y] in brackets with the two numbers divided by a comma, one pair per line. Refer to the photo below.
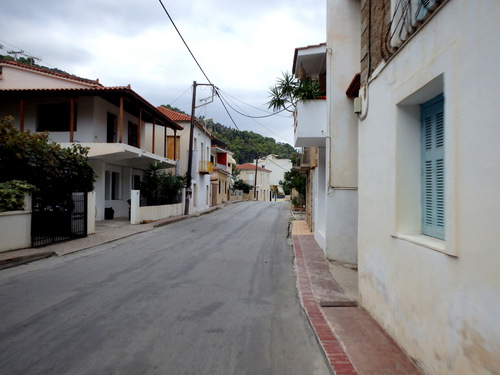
[124,155]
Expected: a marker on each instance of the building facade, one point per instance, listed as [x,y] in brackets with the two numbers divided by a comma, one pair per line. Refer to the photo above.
[110,121]
[258,178]
[202,167]
[429,204]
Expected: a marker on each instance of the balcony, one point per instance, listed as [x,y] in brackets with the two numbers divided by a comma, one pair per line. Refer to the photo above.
[306,160]
[310,123]
[205,167]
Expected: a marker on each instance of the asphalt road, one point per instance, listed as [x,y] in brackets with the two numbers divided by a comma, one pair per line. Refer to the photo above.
[209,295]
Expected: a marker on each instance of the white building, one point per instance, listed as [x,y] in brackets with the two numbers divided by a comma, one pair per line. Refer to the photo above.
[258,178]
[429,172]
[109,120]
[202,167]
[278,167]
[329,124]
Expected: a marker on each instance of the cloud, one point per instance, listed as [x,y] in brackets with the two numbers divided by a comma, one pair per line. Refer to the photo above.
[242,46]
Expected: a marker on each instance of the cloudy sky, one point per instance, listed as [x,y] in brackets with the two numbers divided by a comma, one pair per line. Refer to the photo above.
[242,46]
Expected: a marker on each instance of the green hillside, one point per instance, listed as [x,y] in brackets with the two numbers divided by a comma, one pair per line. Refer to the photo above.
[248,145]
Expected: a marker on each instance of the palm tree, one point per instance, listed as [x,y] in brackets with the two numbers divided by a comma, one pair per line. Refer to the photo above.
[288,90]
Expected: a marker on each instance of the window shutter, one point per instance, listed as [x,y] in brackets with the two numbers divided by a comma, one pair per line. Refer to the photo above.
[423,8]
[433,167]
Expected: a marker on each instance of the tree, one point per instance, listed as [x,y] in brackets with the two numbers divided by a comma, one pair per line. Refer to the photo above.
[33,158]
[159,187]
[239,184]
[294,180]
[288,90]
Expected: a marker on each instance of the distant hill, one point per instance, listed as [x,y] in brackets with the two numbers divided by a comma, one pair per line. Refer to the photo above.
[31,61]
[248,146]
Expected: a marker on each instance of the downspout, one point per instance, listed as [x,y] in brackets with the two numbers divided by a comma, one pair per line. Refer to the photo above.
[328,154]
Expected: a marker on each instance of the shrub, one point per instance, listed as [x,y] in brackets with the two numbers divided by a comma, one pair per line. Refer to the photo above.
[12,195]
[33,158]
[158,187]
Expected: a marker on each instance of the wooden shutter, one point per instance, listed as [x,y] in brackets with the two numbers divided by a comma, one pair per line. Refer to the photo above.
[433,167]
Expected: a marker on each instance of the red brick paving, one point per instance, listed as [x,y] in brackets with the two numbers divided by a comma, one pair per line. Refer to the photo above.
[353,342]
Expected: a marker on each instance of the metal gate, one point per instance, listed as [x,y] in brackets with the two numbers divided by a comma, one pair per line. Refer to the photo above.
[57,218]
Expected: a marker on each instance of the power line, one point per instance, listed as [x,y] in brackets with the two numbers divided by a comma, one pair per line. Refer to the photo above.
[178,32]
[217,91]
[245,115]
[259,109]
[254,119]
[181,95]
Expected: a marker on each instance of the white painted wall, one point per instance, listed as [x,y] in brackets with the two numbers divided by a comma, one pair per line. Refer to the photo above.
[15,228]
[440,300]
[278,167]
[140,214]
[338,236]
[15,77]
[202,181]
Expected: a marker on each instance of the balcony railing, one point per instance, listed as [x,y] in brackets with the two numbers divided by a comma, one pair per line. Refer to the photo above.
[310,123]
[205,167]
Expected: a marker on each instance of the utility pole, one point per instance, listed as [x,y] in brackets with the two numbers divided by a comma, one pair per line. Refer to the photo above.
[255,180]
[189,191]
[15,53]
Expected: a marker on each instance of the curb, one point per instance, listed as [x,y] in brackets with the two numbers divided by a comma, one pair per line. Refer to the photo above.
[334,352]
[17,261]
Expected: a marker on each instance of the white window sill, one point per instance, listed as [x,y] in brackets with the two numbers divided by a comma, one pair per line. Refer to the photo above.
[425,241]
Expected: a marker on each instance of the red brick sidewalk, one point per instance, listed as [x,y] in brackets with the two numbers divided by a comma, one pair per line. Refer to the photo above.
[353,342]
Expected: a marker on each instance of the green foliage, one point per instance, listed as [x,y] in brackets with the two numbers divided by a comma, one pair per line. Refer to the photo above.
[160,188]
[31,61]
[288,90]
[12,194]
[248,146]
[168,106]
[31,157]
[241,185]
[294,180]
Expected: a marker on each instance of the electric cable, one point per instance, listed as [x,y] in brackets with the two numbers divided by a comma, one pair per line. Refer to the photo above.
[189,49]
[245,115]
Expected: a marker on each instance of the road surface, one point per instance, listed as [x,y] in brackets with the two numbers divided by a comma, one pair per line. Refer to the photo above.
[209,295]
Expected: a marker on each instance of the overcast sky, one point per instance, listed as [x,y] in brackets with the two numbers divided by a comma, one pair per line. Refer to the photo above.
[242,46]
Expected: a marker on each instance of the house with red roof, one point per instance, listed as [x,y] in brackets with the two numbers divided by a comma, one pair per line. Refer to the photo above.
[110,121]
[201,167]
[221,179]
[258,178]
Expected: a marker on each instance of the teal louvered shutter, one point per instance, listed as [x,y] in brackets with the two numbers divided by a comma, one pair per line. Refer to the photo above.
[433,167]
[423,7]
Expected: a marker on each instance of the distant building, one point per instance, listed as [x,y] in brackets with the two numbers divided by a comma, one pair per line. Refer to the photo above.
[258,178]
[278,167]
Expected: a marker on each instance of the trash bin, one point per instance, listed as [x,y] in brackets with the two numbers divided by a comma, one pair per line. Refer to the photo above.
[109,213]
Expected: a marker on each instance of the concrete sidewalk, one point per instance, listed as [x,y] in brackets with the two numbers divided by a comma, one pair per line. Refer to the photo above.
[352,341]
[105,231]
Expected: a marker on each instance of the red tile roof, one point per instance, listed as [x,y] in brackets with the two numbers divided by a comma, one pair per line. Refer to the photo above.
[124,91]
[250,166]
[181,117]
[173,115]
[50,72]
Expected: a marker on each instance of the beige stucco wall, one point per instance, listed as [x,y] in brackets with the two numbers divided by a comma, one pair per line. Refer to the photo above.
[440,300]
